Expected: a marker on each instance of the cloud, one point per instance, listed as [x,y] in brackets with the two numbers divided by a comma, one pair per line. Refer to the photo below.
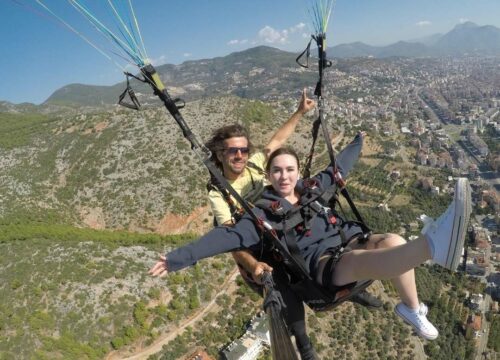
[162,59]
[463,20]
[187,54]
[270,35]
[423,23]
[273,36]
[298,27]
[237,42]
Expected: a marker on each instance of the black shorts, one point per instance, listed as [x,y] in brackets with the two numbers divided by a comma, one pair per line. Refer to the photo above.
[352,231]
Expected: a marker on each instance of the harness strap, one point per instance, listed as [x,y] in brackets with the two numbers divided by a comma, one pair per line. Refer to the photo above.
[233,209]
[307,53]
[135,105]
[291,243]
[307,167]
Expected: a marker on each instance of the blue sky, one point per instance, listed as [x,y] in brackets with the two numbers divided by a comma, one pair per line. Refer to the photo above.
[38,56]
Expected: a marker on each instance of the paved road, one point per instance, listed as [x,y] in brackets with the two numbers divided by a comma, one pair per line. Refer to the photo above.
[486,174]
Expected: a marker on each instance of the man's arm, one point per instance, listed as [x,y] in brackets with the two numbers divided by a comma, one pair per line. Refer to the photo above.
[287,129]
[247,261]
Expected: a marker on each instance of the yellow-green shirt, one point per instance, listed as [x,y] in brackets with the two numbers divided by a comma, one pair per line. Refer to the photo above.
[249,185]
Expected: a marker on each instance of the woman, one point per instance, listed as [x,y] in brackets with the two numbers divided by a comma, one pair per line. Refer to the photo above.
[382,256]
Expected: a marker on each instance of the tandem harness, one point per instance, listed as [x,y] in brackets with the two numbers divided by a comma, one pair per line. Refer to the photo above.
[286,224]
[318,297]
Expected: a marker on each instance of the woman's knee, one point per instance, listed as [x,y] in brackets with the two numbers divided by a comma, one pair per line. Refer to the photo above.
[388,240]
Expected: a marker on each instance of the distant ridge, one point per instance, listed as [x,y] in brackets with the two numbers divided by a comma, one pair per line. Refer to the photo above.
[261,71]
[464,39]
[248,74]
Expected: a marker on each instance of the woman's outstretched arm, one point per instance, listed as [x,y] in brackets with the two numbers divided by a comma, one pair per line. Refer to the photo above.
[345,161]
[219,240]
[350,154]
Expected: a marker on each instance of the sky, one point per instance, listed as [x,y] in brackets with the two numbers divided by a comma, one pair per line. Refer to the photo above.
[38,55]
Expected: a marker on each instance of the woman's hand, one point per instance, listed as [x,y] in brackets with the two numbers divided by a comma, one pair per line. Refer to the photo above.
[160,268]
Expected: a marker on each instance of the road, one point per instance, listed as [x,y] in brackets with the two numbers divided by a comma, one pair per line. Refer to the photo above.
[156,347]
[487,175]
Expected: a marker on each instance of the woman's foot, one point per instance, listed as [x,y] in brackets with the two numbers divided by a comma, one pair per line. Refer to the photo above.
[418,319]
[446,234]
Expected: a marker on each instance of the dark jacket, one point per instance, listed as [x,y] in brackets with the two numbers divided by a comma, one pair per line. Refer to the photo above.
[245,235]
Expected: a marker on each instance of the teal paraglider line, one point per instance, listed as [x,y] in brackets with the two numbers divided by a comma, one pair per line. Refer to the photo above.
[320,12]
[138,29]
[126,34]
[104,30]
[71,28]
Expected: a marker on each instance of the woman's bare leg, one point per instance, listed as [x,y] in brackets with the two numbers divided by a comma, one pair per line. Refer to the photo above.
[385,256]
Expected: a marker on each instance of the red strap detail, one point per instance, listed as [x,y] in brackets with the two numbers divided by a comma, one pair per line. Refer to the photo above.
[310,183]
[275,205]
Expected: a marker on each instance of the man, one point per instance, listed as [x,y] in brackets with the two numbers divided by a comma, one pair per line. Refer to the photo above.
[232,153]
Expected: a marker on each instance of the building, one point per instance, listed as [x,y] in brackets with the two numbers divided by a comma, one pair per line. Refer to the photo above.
[481,238]
[249,346]
[473,326]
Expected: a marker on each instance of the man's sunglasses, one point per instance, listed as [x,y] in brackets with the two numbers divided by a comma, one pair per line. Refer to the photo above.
[234,150]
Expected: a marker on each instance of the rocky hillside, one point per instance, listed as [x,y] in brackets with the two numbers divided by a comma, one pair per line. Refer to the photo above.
[117,168]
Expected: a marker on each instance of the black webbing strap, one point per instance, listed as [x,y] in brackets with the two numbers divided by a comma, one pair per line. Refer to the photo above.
[307,53]
[307,168]
[212,185]
[235,212]
[346,195]
[291,243]
[281,343]
[135,105]
[323,63]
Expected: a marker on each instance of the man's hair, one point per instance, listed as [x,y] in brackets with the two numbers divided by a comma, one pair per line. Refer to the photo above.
[216,142]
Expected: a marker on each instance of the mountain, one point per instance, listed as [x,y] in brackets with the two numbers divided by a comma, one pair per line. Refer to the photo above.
[253,73]
[88,95]
[427,40]
[465,39]
[470,38]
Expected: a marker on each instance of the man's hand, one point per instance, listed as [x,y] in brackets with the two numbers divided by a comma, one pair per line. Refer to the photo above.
[305,104]
[160,268]
[258,270]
